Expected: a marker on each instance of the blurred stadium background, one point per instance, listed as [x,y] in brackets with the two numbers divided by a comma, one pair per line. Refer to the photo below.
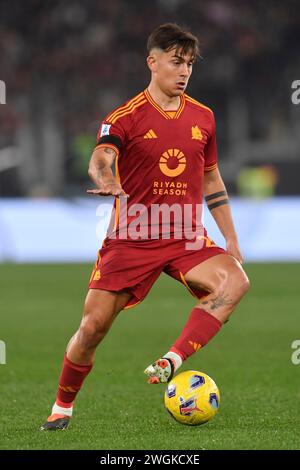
[66,64]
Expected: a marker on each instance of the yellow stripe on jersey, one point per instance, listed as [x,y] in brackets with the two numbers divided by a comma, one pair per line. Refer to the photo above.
[181,107]
[210,168]
[117,169]
[95,266]
[150,99]
[191,100]
[117,214]
[128,111]
[125,107]
[166,114]
[160,110]
[125,110]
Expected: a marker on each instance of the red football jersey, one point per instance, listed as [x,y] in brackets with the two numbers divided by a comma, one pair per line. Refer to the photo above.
[161,159]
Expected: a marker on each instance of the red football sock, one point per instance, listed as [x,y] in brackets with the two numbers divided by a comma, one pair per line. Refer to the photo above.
[70,382]
[200,328]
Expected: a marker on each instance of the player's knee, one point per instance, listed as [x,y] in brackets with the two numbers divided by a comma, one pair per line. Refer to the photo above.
[91,331]
[243,283]
[240,283]
[231,288]
[246,285]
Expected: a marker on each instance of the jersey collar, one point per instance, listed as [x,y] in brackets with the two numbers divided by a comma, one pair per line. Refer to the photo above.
[161,111]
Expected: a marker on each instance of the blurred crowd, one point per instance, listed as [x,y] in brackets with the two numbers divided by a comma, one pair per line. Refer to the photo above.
[66,64]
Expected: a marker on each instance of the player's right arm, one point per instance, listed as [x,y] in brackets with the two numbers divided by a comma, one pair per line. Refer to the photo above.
[100,172]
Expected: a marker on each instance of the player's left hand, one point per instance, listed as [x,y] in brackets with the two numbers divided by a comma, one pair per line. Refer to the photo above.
[233,249]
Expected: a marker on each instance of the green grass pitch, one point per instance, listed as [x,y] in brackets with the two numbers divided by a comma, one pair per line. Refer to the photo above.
[250,360]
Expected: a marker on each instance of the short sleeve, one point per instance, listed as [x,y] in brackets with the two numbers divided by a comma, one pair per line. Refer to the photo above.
[111,135]
[210,151]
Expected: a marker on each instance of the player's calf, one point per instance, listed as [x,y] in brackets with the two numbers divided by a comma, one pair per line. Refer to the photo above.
[204,322]
[101,308]
[226,295]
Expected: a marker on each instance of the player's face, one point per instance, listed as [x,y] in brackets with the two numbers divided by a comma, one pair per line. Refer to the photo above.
[171,71]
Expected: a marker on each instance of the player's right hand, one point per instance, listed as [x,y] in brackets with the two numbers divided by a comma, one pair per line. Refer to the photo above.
[108,188]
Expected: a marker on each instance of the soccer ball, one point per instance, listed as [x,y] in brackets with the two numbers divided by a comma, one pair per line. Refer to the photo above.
[192,398]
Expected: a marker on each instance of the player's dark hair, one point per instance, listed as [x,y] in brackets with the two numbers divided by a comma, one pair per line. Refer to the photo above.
[170,35]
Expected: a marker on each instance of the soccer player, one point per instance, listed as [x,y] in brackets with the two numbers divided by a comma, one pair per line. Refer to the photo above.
[163,145]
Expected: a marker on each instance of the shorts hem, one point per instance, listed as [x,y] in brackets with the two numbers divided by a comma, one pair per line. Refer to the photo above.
[133,298]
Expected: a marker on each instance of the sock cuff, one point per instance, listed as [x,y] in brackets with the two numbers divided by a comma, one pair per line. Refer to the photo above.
[63,404]
[60,410]
[176,358]
[78,367]
[209,317]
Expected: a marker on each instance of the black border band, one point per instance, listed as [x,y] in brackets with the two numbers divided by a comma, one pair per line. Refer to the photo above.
[218,203]
[110,139]
[215,195]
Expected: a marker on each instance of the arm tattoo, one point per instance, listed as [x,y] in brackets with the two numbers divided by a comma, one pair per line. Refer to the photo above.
[215,195]
[110,151]
[102,168]
[218,301]
[218,203]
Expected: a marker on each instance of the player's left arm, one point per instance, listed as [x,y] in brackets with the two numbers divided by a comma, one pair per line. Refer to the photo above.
[218,203]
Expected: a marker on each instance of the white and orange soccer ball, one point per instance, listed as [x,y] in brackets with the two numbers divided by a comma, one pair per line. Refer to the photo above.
[192,398]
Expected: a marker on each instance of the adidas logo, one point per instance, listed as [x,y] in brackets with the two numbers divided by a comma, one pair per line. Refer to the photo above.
[195,346]
[150,135]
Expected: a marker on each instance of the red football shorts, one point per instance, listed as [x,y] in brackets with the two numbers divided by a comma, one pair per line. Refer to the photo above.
[133,266]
